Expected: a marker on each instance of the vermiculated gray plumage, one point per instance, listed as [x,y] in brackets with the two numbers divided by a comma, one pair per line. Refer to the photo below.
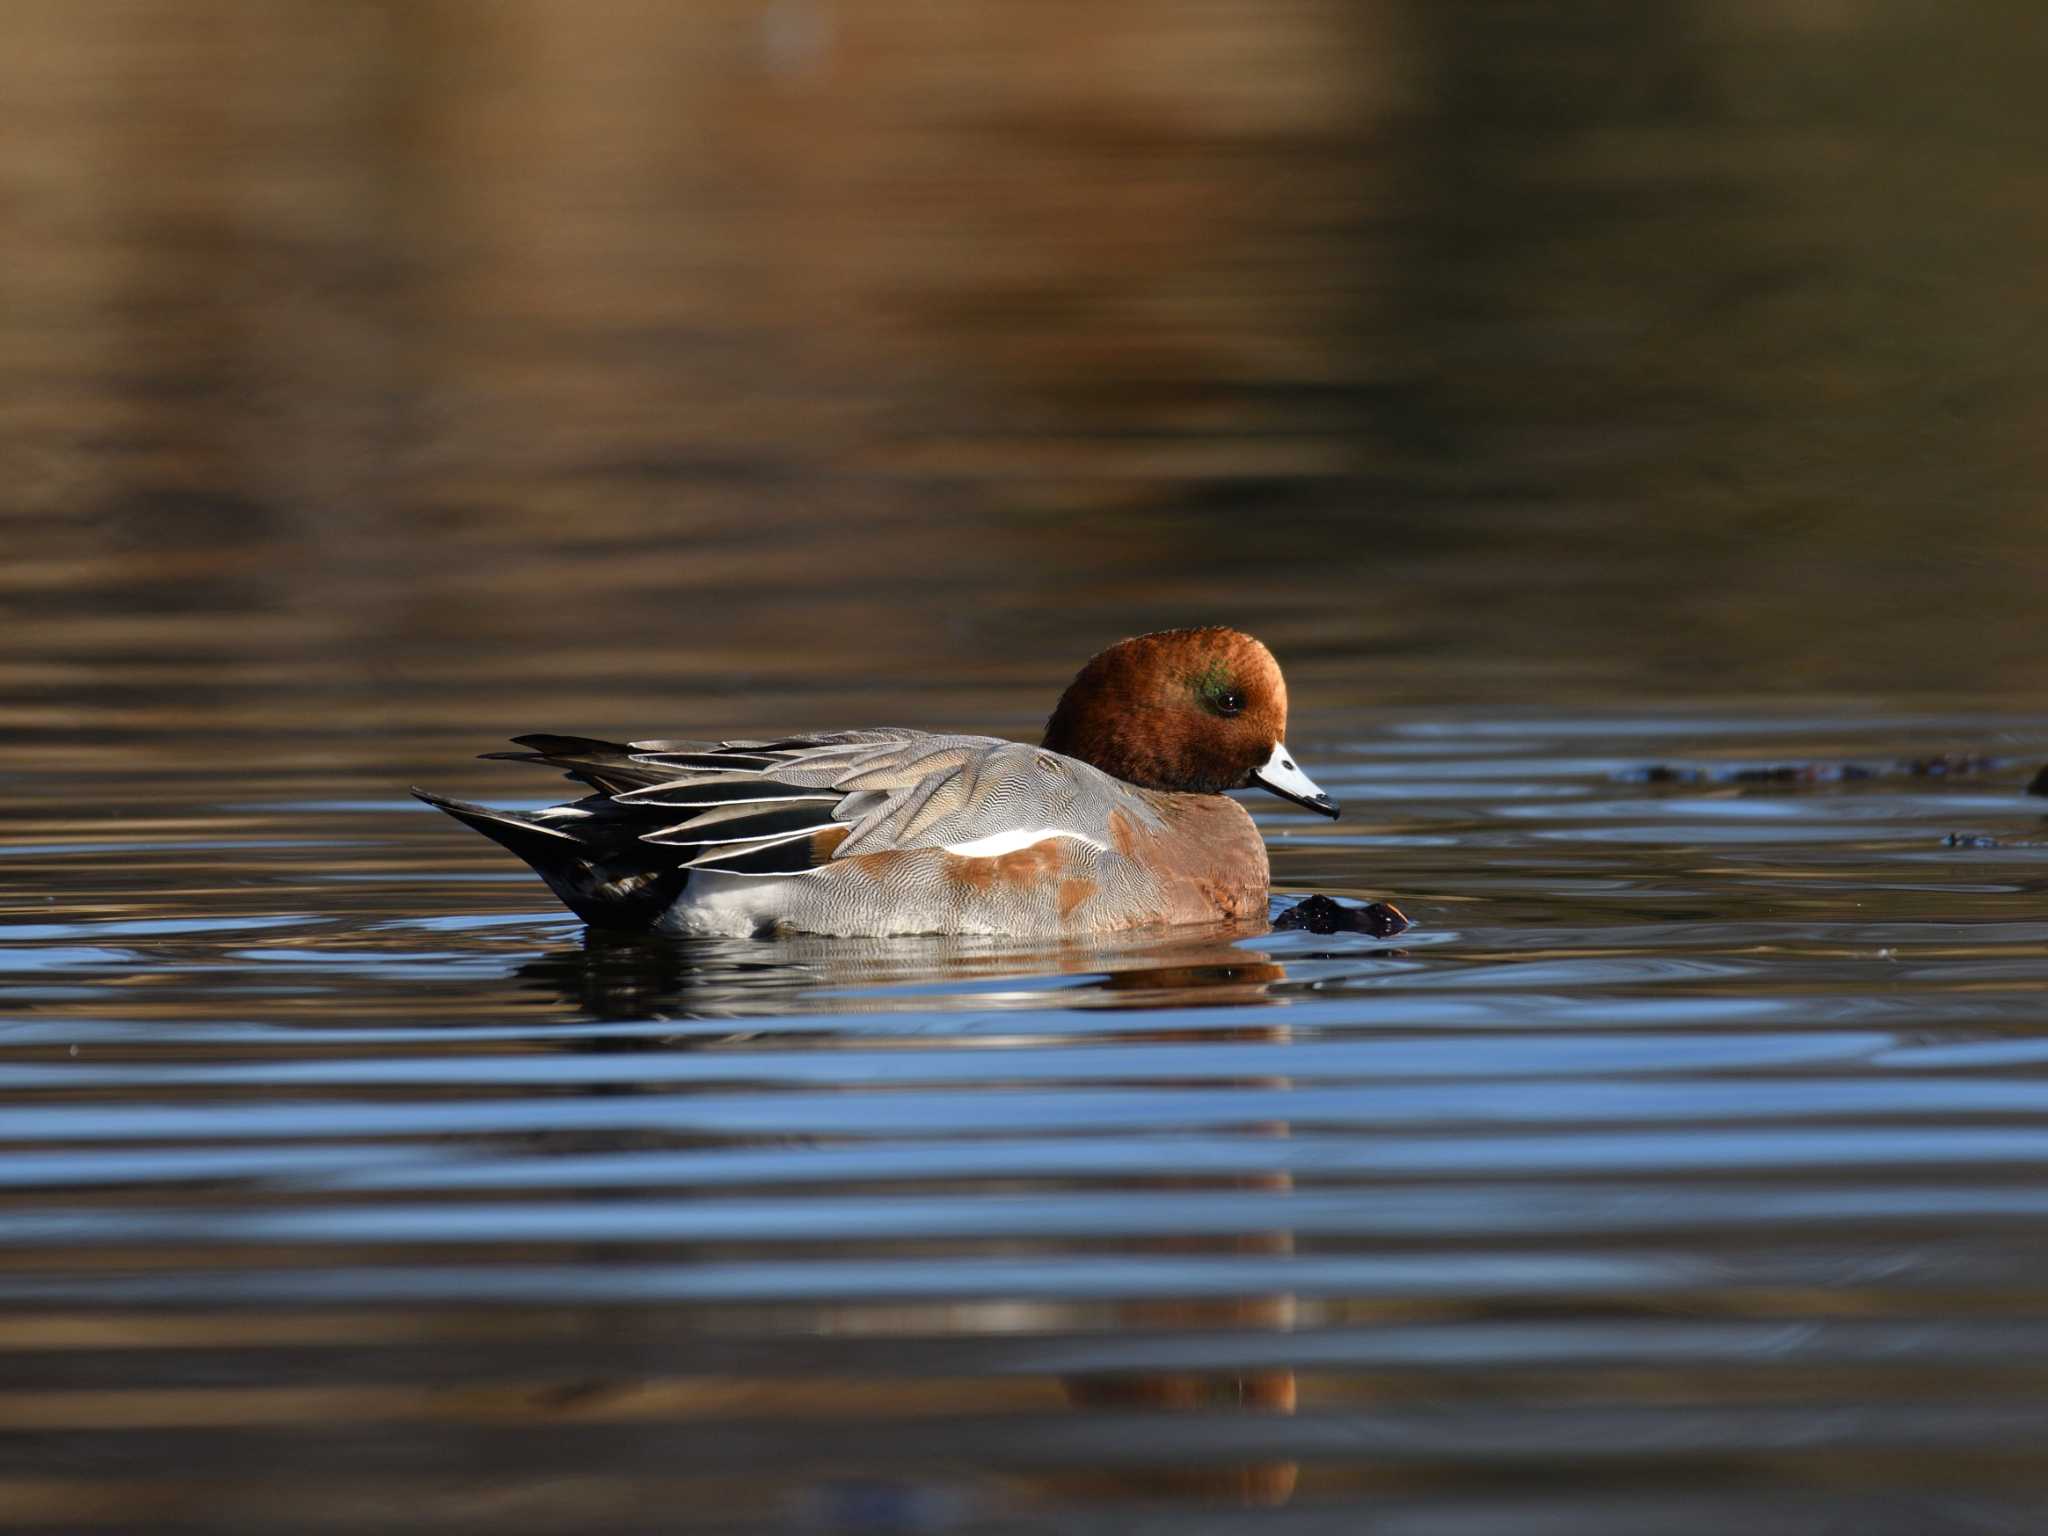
[690,835]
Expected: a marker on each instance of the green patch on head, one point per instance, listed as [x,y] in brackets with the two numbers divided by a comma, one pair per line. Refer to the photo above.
[1214,685]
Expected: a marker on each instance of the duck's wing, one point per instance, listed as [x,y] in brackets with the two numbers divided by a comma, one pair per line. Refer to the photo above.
[608,767]
[795,804]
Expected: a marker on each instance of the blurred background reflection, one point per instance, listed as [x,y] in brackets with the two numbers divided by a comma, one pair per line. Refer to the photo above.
[1585,398]
[387,359]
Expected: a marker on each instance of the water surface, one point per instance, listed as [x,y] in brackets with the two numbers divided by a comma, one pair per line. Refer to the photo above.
[1598,407]
[1685,1155]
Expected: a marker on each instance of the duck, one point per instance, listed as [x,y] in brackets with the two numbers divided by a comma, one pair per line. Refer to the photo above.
[1119,818]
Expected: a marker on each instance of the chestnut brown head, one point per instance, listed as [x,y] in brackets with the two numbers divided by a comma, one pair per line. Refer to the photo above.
[1194,711]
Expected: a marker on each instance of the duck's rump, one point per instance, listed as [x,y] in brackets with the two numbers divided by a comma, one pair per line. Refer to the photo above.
[619,861]
[600,871]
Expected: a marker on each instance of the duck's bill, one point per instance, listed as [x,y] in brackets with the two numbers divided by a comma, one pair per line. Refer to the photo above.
[1290,783]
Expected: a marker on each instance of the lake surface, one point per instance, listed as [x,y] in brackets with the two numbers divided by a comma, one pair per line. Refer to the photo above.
[1682,1165]
[1624,421]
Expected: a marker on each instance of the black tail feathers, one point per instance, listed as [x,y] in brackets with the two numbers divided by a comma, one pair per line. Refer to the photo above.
[610,881]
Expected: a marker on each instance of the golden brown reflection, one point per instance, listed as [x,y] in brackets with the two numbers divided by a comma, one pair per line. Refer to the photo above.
[378,366]
[1205,1392]
[624,976]
[1237,1391]
[382,378]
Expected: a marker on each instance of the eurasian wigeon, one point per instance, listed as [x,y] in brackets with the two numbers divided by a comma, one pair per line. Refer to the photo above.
[1118,819]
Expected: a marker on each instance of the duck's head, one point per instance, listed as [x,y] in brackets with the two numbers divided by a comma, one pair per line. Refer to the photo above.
[1196,711]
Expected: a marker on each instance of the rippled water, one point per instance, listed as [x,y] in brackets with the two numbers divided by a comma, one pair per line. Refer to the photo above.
[1682,1165]
[1624,422]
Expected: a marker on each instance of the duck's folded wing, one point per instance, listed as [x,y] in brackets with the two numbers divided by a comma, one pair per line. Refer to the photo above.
[785,806]
[609,767]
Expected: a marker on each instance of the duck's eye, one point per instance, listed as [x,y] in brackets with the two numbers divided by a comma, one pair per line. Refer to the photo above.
[1215,692]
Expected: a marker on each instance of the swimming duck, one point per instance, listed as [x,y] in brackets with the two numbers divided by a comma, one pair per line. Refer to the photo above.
[1117,819]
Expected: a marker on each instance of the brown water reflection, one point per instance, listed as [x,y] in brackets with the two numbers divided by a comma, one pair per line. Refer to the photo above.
[1558,388]
[636,977]
[378,367]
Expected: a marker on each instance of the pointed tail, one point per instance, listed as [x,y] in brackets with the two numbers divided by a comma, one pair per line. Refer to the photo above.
[612,881]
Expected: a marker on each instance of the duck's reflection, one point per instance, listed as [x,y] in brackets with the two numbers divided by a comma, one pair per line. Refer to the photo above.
[1227,1391]
[619,977]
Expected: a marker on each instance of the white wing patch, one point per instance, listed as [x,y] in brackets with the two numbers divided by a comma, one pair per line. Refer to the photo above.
[996,844]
